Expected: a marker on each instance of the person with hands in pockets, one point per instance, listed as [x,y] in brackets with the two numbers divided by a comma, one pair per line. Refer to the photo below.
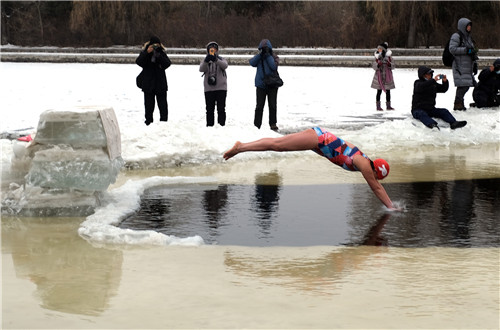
[215,84]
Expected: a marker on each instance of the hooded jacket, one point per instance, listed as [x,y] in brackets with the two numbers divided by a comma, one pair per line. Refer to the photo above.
[463,65]
[383,65]
[485,93]
[265,63]
[153,66]
[424,91]
[215,68]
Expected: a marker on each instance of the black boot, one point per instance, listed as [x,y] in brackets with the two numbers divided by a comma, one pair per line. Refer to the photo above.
[431,126]
[458,124]
[459,106]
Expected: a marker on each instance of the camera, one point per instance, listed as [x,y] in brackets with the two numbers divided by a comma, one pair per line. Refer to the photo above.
[441,76]
[212,80]
[156,46]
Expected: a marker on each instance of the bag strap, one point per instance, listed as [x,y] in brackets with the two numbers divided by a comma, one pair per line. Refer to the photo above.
[264,65]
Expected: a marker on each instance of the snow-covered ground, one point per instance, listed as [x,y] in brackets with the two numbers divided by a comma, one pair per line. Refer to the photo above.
[339,99]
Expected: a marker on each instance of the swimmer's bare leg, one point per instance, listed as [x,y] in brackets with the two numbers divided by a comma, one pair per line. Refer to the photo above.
[305,140]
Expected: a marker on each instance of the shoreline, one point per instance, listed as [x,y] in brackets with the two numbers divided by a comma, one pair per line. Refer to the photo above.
[317,57]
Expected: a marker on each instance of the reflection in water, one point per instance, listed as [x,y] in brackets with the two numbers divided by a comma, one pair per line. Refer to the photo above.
[70,275]
[214,202]
[311,274]
[456,214]
[266,200]
[318,275]
[426,288]
[374,237]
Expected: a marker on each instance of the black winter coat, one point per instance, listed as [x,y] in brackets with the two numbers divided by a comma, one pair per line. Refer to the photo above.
[486,92]
[153,66]
[424,93]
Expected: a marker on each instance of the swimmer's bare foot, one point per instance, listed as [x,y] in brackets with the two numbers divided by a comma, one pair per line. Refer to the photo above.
[233,151]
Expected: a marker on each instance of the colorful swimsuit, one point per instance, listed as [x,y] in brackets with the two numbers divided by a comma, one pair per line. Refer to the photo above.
[336,150]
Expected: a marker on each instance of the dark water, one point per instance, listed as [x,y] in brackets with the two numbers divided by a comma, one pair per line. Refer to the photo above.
[446,214]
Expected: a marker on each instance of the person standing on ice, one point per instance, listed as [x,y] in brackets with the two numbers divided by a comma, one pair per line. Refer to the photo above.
[265,62]
[464,65]
[152,80]
[423,104]
[215,84]
[326,144]
[383,79]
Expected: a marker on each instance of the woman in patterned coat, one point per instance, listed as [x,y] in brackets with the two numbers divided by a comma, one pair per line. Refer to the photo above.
[383,79]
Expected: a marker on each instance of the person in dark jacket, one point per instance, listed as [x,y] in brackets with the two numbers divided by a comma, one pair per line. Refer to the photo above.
[215,84]
[423,105]
[265,62]
[464,65]
[152,80]
[486,94]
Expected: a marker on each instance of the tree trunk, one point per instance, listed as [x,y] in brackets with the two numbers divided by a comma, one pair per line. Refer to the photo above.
[412,28]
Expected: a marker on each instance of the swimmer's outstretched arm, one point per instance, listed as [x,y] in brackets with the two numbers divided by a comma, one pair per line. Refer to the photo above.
[363,165]
[305,140]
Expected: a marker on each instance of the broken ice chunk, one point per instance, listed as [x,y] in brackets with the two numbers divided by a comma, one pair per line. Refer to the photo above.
[78,129]
[65,168]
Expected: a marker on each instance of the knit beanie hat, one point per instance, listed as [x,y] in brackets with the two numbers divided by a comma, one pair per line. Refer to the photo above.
[154,40]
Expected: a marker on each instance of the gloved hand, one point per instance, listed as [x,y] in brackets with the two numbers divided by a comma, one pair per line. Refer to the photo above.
[210,58]
[470,51]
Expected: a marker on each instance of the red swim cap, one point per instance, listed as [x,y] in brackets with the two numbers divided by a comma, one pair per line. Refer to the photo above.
[381,168]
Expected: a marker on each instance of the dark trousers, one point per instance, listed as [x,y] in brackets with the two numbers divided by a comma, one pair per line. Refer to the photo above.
[211,99]
[149,105]
[483,100]
[459,96]
[387,95]
[272,96]
[425,116]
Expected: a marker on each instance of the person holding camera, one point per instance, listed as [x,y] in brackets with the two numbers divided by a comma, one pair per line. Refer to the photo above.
[486,93]
[423,104]
[152,80]
[215,84]
[383,79]
[464,66]
[266,62]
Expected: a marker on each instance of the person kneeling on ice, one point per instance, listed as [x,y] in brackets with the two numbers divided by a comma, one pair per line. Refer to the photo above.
[326,144]
[423,105]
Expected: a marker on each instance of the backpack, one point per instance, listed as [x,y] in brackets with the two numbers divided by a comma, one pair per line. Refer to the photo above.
[447,56]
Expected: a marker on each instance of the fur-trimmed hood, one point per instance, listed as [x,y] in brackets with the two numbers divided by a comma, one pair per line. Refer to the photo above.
[377,55]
